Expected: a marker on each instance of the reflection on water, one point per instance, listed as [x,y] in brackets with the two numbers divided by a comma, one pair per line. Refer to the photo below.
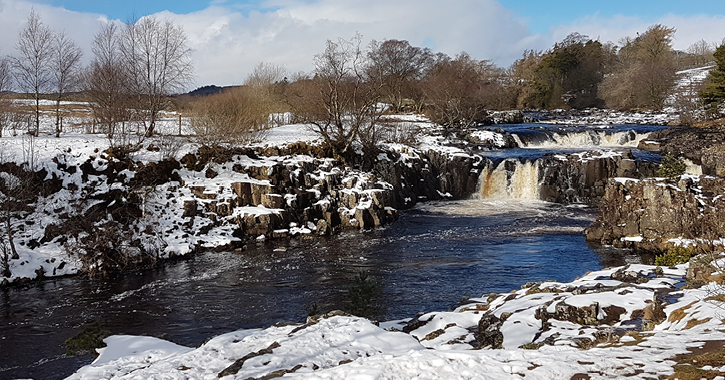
[428,260]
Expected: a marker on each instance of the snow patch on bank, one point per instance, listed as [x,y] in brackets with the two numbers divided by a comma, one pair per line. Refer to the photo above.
[345,347]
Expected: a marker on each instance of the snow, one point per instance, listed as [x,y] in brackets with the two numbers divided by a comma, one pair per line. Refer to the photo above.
[287,134]
[120,346]
[347,347]
[497,138]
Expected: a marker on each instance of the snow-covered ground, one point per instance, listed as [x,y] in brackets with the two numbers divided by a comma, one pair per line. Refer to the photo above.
[606,338]
[165,206]
[615,340]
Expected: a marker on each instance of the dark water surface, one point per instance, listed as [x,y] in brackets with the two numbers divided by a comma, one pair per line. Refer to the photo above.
[426,261]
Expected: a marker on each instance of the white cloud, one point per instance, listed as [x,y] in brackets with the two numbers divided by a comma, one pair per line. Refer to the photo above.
[78,26]
[229,42]
[690,29]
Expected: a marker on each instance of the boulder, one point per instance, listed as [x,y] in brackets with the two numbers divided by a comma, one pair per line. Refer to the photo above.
[489,331]
[585,315]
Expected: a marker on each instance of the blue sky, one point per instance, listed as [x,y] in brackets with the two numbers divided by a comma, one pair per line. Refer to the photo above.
[122,10]
[539,15]
[230,37]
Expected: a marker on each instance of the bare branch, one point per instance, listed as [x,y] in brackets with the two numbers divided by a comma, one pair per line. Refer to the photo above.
[33,71]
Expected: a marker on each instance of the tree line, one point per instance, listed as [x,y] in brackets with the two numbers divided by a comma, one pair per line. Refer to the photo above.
[135,68]
[138,65]
[346,97]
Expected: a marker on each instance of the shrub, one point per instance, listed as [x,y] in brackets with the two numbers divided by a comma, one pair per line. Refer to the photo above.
[237,116]
[671,168]
[361,295]
[87,340]
[674,256]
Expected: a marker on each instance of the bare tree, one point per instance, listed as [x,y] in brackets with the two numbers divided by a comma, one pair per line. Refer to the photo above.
[400,66]
[701,52]
[156,57]
[65,67]
[6,105]
[234,117]
[33,65]
[341,102]
[454,89]
[265,75]
[105,82]
[265,85]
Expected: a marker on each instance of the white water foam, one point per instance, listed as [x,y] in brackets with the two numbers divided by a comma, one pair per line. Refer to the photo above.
[502,184]
[586,139]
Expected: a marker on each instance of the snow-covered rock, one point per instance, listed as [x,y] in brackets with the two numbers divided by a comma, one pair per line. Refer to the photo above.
[600,325]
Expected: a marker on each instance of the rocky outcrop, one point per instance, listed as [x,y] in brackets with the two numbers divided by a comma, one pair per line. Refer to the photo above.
[582,177]
[284,196]
[489,331]
[509,117]
[702,146]
[655,215]
[221,199]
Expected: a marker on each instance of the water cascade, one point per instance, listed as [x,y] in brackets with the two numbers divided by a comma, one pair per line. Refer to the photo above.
[511,179]
[578,139]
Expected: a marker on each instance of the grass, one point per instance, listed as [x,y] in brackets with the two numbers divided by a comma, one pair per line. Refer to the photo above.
[680,313]
[695,322]
[690,366]
[718,298]
[87,340]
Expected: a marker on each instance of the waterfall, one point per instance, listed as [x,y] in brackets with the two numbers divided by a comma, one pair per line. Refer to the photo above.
[582,139]
[692,168]
[511,179]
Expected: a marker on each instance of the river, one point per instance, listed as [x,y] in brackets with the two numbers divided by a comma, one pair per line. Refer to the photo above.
[428,260]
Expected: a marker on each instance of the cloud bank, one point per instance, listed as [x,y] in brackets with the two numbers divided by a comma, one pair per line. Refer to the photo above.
[229,42]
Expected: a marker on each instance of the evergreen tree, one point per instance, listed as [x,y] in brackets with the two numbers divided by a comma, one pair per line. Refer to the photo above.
[714,94]
[569,75]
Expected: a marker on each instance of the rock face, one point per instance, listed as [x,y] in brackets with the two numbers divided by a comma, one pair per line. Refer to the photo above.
[277,197]
[704,147]
[582,178]
[651,214]
[221,199]
[563,178]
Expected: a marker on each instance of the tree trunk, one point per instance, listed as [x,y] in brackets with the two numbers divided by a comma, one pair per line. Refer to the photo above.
[11,242]
[37,115]
[58,121]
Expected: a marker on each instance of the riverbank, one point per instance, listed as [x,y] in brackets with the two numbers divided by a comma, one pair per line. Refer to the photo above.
[636,321]
[200,189]
[93,212]
[81,209]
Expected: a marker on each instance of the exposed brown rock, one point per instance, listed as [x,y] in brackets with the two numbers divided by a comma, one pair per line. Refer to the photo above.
[652,212]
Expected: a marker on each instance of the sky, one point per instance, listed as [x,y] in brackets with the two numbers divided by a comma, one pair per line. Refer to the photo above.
[230,37]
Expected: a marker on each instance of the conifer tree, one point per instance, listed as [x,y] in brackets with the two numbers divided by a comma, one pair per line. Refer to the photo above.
[714,94]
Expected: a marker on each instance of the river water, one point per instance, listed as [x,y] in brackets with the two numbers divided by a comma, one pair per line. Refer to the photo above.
[428,260]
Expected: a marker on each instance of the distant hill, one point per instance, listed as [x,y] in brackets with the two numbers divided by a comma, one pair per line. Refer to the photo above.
[208,90]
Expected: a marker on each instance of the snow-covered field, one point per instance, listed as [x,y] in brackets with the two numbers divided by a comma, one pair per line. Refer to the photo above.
[73,149]
[539,339]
